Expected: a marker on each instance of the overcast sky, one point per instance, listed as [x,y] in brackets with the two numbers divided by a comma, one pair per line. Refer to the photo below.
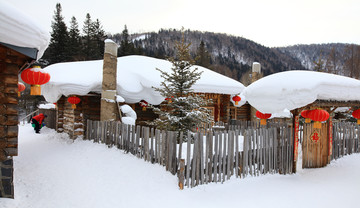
[267,22]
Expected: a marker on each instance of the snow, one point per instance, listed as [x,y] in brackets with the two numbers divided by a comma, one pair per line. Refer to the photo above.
[19,29]
[47,106]
[130,115]
[136,77]
[54,171]
[289,90]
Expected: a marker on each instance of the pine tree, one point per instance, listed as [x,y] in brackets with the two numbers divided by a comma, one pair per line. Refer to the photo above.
[74,41]
[88,43]
[203,56]
[98,37]
[126,46]
[185,109]
[319,65]
[59,41]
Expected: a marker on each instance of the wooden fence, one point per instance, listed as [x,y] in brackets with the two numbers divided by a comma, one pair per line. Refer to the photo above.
[211,156]
[345,139]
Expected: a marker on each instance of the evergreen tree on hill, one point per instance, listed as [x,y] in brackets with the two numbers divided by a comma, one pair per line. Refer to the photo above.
[59,42]
[75,41]
[184,109]
[203,57]
[126,46]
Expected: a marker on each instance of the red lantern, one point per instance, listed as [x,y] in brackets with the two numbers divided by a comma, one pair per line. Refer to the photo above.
[21,87]
[318,115]
[263,117]
[35,77]
[236,99]
[356,114]
[305,114]
[74,100]
[143,104]
[169,99]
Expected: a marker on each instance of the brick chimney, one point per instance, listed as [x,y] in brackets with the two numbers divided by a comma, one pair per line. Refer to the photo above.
[108,105]
[255,75]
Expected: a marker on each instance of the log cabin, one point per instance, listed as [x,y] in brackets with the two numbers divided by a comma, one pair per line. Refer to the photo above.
[22,42]
[136,77]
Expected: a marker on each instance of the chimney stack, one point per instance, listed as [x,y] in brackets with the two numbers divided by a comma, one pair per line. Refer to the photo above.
[108,111]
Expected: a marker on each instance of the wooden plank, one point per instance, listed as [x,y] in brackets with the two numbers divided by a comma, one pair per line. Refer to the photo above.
[211,157]
[193,165]
[207,150]
[201,158]
[181,174]
[220,157]
[188,161]
[237,164]
[216,156]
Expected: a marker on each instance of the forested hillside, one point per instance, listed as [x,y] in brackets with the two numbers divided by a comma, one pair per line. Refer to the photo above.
[228,55]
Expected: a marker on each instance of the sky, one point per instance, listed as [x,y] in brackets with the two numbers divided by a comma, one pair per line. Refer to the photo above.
[268,22]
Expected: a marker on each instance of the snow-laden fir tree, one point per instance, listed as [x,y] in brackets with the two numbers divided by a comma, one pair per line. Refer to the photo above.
[184,110]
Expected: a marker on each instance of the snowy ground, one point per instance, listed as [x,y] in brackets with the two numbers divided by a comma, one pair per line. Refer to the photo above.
[52,171]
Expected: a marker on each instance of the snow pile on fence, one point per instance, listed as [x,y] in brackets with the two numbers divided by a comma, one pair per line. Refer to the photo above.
[136,77]
[294,89]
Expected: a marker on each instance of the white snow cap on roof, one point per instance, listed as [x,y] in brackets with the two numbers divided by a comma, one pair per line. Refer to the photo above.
[18,29]
[294,89]
[136,77]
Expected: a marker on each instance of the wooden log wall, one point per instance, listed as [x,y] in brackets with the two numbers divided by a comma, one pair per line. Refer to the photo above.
[346,139]
[10,63]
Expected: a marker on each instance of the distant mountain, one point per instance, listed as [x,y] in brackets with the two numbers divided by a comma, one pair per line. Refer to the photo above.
[308,55]
[230,55]
[233,56]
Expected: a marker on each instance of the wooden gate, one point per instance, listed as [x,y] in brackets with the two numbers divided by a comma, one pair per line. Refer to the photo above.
[315,146]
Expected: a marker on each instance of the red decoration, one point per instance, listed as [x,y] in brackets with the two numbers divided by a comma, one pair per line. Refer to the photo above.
[74,100]
[169,99]
[318,115]
[263,117]
[35,77]
[21,87]
[143,104]
[356,114]
[236,99]
[315,136]
[305,114]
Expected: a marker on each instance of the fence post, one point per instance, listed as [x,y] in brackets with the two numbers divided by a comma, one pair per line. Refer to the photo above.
[181,174]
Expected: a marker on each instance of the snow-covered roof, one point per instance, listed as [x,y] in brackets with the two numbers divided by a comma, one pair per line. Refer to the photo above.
[136,77]
[294,89]
[18,29]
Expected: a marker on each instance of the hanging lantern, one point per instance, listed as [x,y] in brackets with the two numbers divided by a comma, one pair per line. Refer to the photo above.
[21,87]
[74,100]
[305,114]
[236,99]
[169,99]
[318,115]
[143,104]
[356,114]
[35,77]
[263,117]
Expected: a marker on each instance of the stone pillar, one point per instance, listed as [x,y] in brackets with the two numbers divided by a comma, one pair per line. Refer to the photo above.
[255,75]
[8,126]
[108,105]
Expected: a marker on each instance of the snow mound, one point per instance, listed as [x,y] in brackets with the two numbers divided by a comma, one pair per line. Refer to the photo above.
[289,90]
[136,77]
[17,28]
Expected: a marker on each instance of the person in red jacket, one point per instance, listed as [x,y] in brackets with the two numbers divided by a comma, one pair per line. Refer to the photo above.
[38,122]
